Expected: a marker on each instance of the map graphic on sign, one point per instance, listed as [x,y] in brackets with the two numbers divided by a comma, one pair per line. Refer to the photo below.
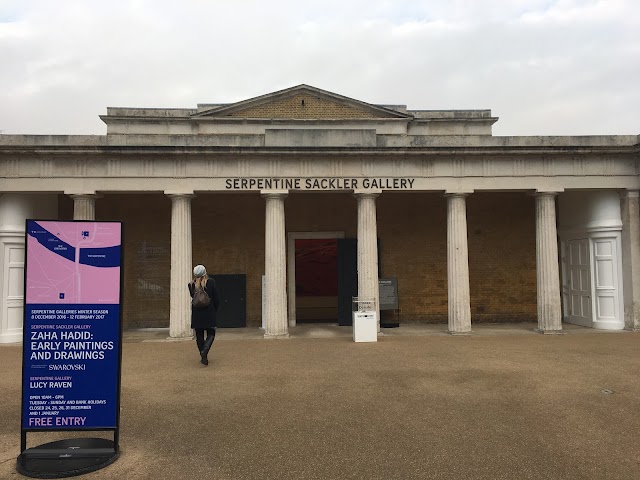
[73,262]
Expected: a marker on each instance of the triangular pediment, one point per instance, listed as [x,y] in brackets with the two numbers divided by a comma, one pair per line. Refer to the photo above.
[302,102]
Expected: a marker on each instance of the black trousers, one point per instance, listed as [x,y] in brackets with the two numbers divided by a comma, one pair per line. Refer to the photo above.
[201,342]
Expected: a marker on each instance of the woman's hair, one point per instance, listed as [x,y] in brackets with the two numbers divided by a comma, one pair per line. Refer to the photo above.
[201,282]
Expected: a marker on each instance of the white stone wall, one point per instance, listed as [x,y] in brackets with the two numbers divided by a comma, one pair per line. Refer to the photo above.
[15,209]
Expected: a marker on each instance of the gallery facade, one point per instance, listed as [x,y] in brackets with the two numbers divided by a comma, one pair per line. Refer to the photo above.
[298,200]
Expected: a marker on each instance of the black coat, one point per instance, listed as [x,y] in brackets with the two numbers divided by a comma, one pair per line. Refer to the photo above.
[205,317]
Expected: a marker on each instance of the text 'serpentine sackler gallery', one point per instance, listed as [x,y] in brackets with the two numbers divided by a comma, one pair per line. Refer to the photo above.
[323,195]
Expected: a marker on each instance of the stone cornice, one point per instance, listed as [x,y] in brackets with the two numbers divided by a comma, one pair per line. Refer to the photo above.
[116,150]
[112,119]
[385,143]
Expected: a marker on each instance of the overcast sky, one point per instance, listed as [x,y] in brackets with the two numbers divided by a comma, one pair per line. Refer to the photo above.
[545,67]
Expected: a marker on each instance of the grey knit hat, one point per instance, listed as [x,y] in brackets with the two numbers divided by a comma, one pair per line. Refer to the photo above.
[199,271]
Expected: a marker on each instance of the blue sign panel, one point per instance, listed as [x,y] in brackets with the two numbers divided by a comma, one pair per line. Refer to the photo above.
[72,337]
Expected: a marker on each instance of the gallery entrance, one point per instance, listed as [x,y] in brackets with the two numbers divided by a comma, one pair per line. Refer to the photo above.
[313,277]
[316,280]
[322,276]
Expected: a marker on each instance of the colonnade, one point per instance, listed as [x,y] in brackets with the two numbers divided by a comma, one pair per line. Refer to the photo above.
[549,311]
[459,311]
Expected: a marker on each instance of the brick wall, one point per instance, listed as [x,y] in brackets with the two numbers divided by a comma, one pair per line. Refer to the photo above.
[228,238]
[502,254]
[322,212]
[413,240]
[501,230]
[302,106]
[147,253]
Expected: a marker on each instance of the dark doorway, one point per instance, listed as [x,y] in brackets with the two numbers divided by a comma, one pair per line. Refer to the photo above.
[348,277]
[316,277]
[232,312]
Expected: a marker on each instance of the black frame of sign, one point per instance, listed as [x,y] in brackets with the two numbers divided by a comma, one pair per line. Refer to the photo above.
[74,456]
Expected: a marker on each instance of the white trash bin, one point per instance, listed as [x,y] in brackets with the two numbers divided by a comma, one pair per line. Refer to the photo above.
[365,323]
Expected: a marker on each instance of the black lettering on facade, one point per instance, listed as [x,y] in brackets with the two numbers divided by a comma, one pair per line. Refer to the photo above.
[318,183]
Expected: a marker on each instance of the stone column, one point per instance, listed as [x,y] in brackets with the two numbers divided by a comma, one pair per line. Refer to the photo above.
[458,265]
[368,249]
[181,266]
[548,273]
[275,266]
[631,258]
[84,206]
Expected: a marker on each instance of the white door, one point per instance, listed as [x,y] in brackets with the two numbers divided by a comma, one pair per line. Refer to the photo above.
[12,288]
[607,312]
[578,283]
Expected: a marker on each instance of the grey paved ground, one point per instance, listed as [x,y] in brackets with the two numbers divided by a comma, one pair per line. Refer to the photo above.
[504,403]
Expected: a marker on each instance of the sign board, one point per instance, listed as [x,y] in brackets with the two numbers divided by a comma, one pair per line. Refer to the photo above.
[388,293]
[72,334]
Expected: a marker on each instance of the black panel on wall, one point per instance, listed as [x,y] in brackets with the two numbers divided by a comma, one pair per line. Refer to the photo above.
[348,277]
[232,312]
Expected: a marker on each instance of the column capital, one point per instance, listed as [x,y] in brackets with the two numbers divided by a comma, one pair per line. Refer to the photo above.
[630,193]
[93,195]
[369,193]
[546,193]
[179,194]
[274,193]
[457,193]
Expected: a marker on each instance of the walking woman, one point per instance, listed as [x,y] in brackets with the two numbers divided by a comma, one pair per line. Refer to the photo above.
[204,304]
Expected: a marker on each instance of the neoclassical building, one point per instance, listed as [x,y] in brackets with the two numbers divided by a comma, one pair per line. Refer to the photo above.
[298,200]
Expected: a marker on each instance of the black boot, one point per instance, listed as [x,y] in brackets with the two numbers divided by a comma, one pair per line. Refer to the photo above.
[205,349]
[203,358]
[208,343]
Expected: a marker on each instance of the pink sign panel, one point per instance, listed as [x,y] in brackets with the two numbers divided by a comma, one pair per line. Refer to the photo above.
[73,263]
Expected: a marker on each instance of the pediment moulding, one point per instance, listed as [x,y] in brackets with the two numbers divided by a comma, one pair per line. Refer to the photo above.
[302,104]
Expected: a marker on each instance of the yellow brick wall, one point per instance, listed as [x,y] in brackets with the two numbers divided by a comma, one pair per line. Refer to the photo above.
[147,253]
[502,254]
[501,229]
[293,107]
[228,237]
[322,212]
[413,241]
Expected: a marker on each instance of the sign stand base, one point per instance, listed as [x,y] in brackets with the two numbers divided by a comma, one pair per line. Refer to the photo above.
[67,458]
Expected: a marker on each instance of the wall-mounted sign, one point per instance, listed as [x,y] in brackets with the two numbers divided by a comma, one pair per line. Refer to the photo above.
[388,293]
[318,183]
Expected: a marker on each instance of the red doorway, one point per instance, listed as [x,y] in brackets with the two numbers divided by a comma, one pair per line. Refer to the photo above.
[316,274]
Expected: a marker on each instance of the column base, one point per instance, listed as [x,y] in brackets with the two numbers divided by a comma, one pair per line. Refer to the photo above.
[549,332]
[459,334]
[269,336]
[180,339]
